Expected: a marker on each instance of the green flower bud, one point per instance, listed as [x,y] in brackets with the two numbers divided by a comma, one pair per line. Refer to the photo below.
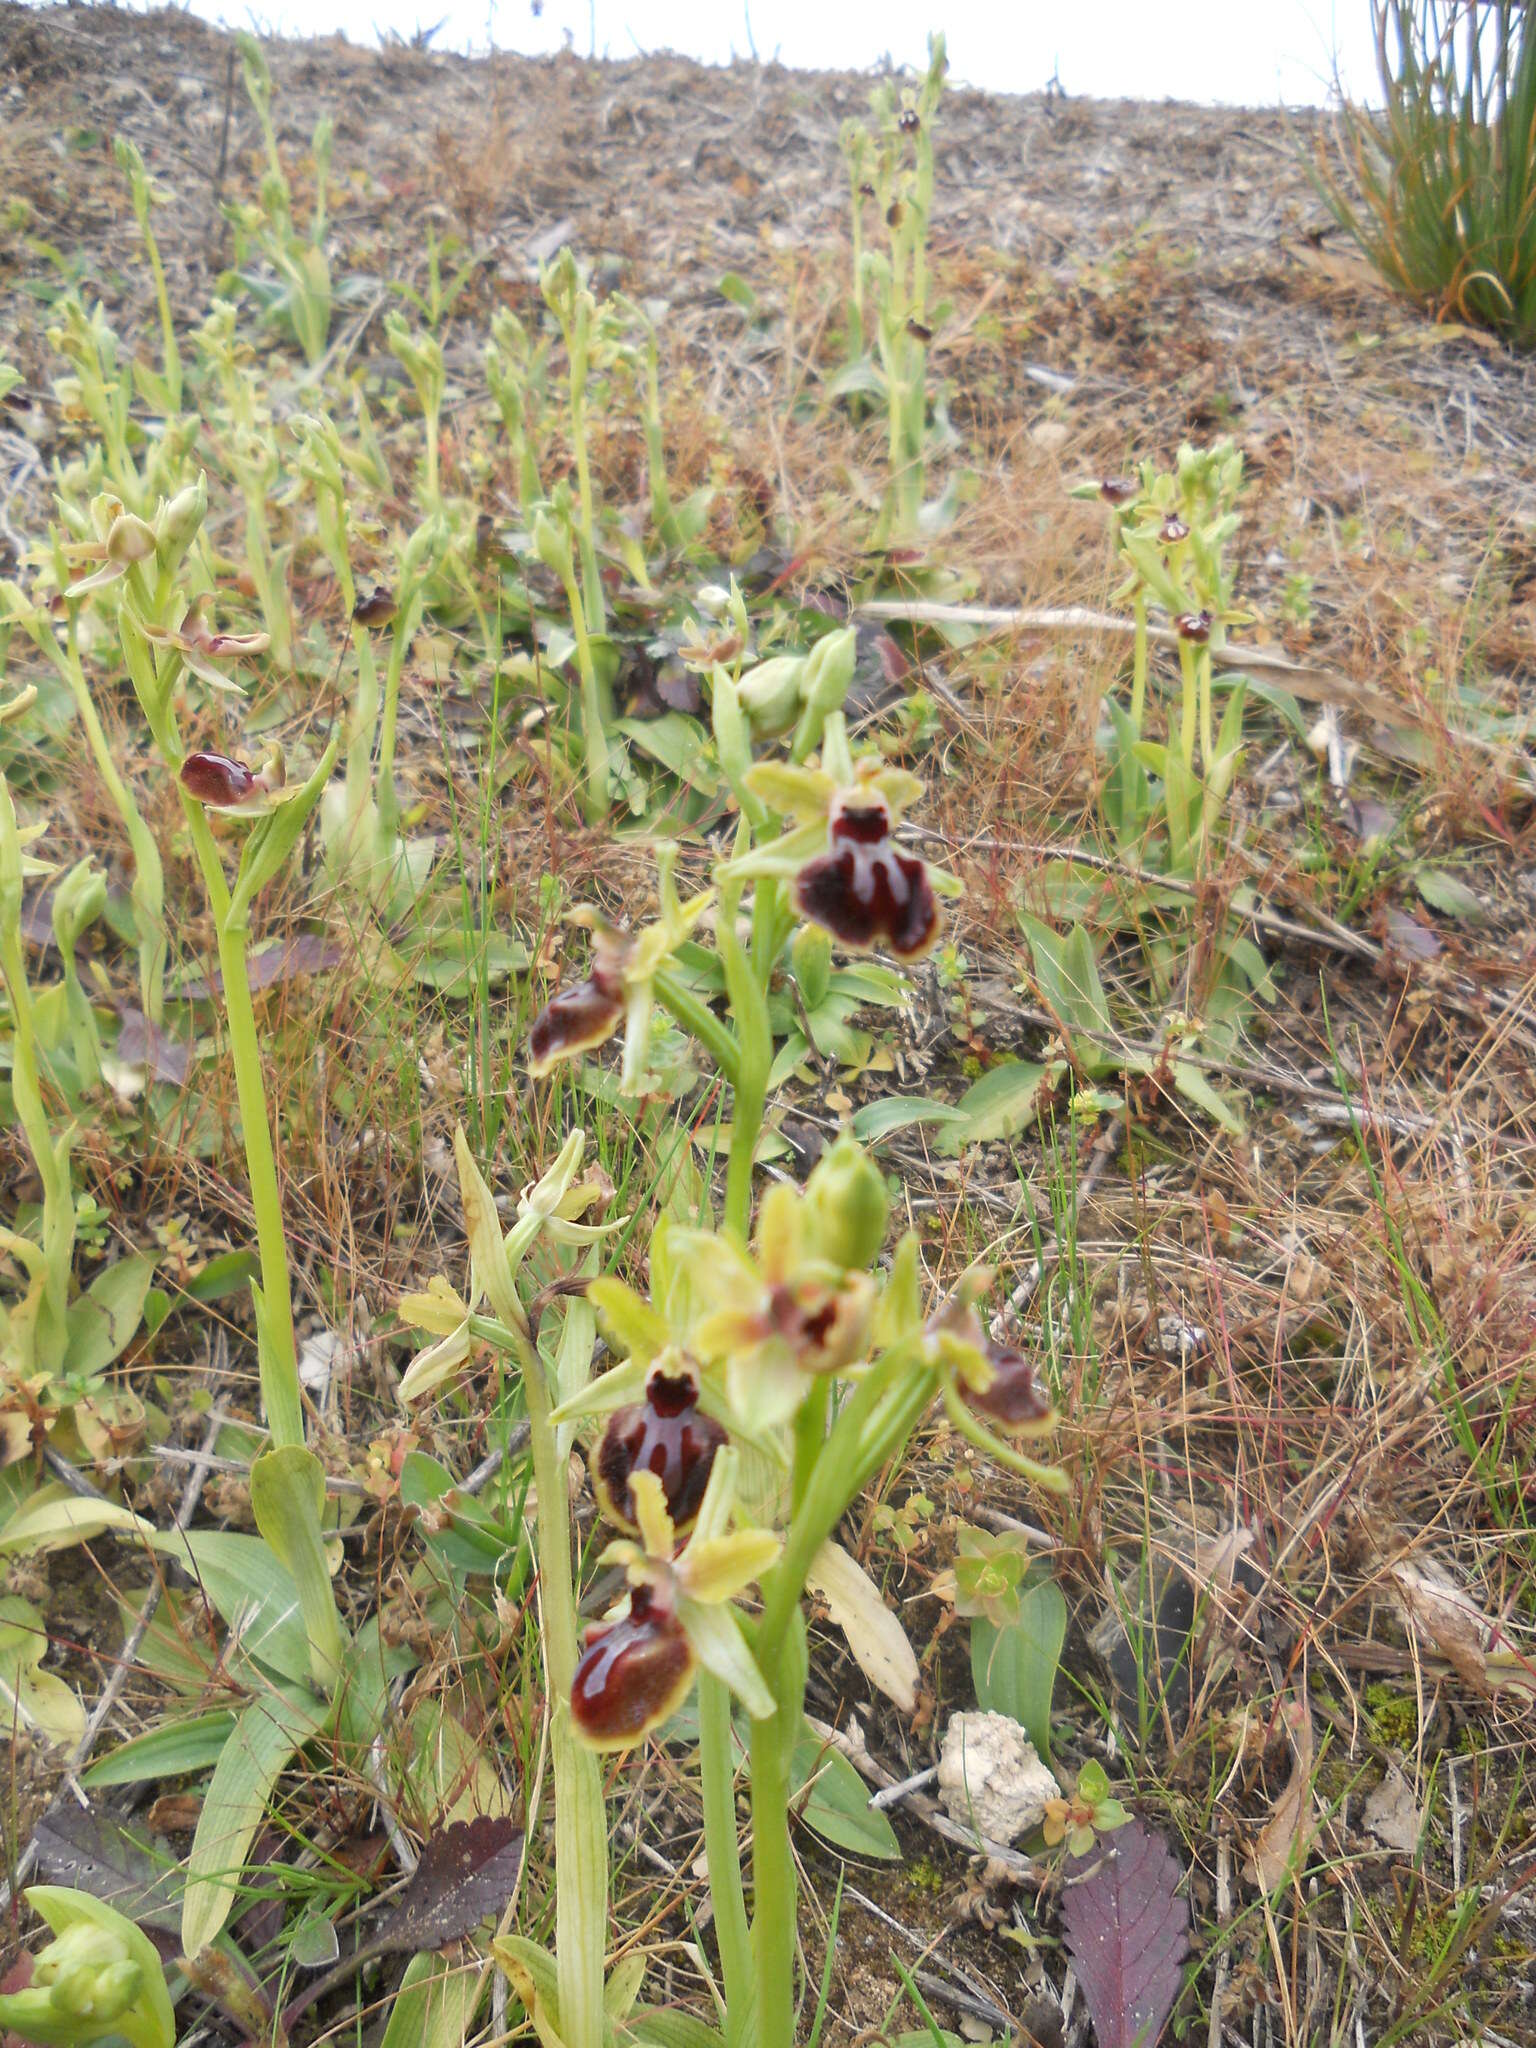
[811,961]
[177,523]
[847,1207]
[829,670]
[100,1977]
[552,545]
[770,693]
[129,540]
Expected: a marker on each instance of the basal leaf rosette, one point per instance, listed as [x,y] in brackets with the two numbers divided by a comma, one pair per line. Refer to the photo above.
[839,855]
[619,987]
[637,1667]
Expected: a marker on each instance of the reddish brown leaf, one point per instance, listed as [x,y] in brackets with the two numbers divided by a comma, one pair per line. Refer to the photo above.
[467,1872]
[1127,1928]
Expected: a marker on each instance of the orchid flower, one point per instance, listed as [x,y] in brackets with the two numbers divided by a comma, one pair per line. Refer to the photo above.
[637,1667]
[619,987]
[846,872]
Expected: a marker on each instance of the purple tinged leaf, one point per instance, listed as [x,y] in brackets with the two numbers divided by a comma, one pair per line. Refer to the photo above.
[467,1873]
[1127,1929]
[282,961]
[89,1850]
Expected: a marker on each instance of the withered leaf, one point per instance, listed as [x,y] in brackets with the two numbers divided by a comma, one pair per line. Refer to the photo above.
[1127,1928]
[467,1872]
[88,1849]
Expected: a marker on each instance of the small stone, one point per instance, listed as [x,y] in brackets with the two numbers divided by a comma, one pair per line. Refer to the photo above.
[990,1778]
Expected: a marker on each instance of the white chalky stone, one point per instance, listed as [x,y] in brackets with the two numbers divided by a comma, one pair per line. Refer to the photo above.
[990,1778]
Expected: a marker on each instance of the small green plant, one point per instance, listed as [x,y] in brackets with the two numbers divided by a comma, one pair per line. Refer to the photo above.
[893,170]
[1438,186]
[1088,1812]
[301,297]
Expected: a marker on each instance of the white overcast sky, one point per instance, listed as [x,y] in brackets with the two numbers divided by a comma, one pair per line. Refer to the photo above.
[1243,52]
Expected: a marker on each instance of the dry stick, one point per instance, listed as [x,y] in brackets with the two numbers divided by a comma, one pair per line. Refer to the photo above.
[115,1683]
[959,1989]
[1303,679]
[1325,934]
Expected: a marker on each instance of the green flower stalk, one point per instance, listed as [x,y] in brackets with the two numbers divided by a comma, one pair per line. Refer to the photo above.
[148,889]
[516,371]
[298,260]
[99,1979]
[421,357]
[280,810]
[131,162]
[552,544]
[35,1329]
[575,310]
[77,902]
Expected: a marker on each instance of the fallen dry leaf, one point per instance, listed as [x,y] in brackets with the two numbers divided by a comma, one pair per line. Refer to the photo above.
[1442,1616]
[1391,1812]
[877,1639]
[1286,1836]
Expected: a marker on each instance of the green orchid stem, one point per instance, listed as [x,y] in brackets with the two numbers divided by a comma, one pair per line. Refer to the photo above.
[581,1840]
[1189,709]
[872,1426]
[1140,662]
[700,1022]
[388,797]
[592,582]
[51,1159]
[748,1103]
[281,1397]
[593,734]
[148,894]
[717,1771]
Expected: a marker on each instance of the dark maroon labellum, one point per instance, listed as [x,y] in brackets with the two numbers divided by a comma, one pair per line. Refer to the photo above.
[1174,530]
[577,1020]
[919,330]
[867,190]
[1194,627]
[860,824]
[895,214]
[631,1675]
[908,121]
[1118,490]
[216,779]
[1015,1400]
[665,1434]
[376,610]
[866,895]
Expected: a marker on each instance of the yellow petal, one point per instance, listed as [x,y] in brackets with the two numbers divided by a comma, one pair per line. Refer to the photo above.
[719,1568]
[780,1236]
[651,1517]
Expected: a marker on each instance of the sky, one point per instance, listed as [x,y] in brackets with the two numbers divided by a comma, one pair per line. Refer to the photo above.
[1237,52]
